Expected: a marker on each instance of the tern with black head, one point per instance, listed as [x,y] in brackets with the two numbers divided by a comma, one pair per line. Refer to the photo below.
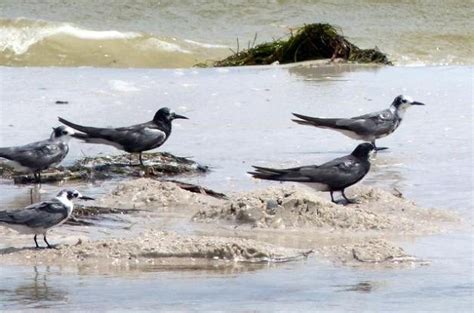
[41,155]
[368,127]
[335,175]
[132,139]
[38,218]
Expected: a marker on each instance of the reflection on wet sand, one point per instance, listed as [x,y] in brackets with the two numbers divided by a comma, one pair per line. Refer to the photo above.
[38,291]
[361,287]
[29,194]
[196,268]
[43,287]
[328,73]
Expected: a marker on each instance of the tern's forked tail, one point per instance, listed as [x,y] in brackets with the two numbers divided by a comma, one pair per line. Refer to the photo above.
[316,121]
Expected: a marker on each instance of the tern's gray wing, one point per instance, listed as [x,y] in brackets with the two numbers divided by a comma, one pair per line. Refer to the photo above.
[37,155]
[135,138]
[139,137]
[372,124]
[376,123]
[342,172]
[379,115]
[296,174]
[39,215]
[337,173]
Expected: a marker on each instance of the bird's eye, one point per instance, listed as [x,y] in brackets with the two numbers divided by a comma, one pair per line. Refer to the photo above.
[404,100]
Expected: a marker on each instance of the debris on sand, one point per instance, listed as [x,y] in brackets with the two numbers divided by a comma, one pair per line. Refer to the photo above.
[152,245]
[89,215]
[157,164]
[198,189]
[370,251]
[310,42]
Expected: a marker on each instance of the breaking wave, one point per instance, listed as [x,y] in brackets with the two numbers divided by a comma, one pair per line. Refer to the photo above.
[25,42]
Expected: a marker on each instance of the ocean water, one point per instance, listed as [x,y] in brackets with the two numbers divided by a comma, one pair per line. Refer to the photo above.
[169,34]
[64,50]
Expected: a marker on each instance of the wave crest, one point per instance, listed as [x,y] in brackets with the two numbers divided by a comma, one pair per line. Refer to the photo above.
[25,42]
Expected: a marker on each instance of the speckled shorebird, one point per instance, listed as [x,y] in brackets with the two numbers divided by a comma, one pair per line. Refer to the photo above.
[335,175]
[132,139]
[41,155]
[38,218]
[368,127]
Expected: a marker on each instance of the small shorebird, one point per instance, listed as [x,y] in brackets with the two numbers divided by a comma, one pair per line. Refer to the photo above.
[335,175]
[38,218]
[132,139]
[368,127]
[38,156]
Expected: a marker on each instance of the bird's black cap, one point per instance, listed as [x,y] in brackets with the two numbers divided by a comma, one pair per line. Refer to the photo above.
[73,194]
[165,114]
[363,150]
[401,99]
[61,131]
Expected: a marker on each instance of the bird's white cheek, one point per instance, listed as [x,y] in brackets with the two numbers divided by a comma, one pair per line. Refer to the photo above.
[405,106]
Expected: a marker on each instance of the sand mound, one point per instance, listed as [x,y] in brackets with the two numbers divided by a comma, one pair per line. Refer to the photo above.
[284,223]
[156,245]
[282,207]
[146,193]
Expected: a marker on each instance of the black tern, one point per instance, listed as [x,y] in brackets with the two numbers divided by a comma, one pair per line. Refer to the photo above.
[335,175]
[38,156]
[368,127]
[132,139]
[38,218]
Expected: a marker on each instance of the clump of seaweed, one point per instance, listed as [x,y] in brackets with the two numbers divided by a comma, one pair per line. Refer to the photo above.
[310,42]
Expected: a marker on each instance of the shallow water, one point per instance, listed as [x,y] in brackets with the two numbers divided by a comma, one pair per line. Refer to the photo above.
[242,117]
[183,33]
[291,287]
[239,117]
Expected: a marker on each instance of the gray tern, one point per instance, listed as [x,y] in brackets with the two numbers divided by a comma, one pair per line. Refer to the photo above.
[38,218]
[368,127]
[132,139]
[335,175]
[41,155]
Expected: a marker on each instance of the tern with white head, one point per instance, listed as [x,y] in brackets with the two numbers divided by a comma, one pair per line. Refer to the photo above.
[41,155]
[132,139]
[368,127]
[38,218]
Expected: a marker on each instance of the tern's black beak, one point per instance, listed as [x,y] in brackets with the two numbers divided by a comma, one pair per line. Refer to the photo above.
[175,116]
[417,103]
[86,198]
